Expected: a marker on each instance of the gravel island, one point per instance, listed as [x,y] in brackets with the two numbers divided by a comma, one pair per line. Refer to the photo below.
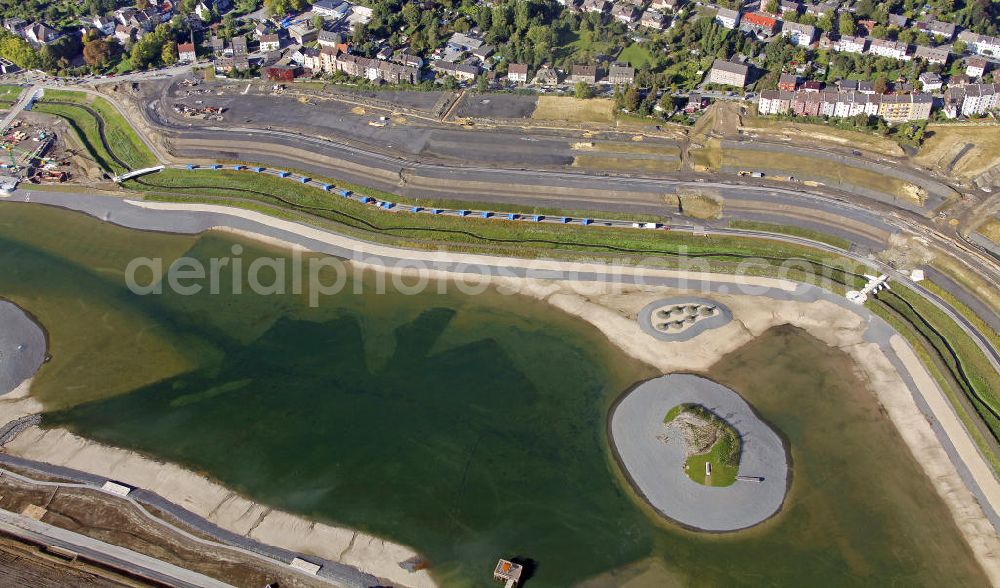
[654,460]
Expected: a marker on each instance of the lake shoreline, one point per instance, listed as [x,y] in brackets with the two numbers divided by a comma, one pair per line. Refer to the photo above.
[883,357]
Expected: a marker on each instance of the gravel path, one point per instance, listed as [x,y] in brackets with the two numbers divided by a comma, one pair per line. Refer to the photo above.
[22,347]
[655,467]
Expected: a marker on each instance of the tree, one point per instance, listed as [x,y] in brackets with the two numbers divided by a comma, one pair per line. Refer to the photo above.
[168,55]
[482,83]
[880,84]
[141,4]
[583,91]
[317,21]
[846,25]
[631,99]
[97,52]
[411,14]
[772,6]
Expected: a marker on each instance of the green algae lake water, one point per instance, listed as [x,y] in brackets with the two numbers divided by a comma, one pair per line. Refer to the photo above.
[468,427]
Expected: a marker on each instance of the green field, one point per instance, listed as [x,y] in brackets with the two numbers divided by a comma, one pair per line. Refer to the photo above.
[636,55]
[244,188]
[119,149]
[724,454]
[792,230]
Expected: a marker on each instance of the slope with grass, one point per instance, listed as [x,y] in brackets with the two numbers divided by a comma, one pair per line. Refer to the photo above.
[107,136]
[711,440]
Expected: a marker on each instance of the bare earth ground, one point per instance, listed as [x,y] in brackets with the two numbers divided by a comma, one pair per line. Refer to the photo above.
[117,522]
[25,565]
[991,230]
[945,143]
[573,110]
[798,132]
[612,309]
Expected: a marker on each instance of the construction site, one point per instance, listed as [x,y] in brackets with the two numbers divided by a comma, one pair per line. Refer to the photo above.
[30,152]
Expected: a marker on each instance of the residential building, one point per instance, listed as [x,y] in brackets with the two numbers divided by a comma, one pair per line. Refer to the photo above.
[380,70]
[218,45]
[971,100]
[975,67]
[518,73]
[583,73]
[905,107]
[941,30]
[598,6]
[483,51]
[625,13]
[788,82]
[39,34]
[898,20]
[104,24]
[980,44]
[186,53]
[270,42]
[799,34]
[843,104]
[866,87]
[890,49]
[819,10]
[937,55]
[758,24]
[774,102]
[407,59]
[850,44]
[328,38]
[303,32]
[728,73]
[847,85]
[812,86]
[653,19]
[789,6]
[695,103]
[930,81]
[664,5]
[621,74]
[125,34]
[459,71]
[727,18]
[546,76]
[239,45]
[461,42]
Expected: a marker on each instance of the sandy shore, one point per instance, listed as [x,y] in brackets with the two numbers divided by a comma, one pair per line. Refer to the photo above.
[886,361]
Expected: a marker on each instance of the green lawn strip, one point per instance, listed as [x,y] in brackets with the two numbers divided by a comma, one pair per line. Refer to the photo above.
[969,314]
[926,353]
[120,135]
[10,92]
[636,55]
[457,229]
[123,139]
[471,204]
[84,125]
[980,382]
[792,230]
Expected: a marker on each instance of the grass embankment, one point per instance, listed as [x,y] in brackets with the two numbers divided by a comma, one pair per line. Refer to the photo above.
[106,135]
[792,230]
[954,360]
[717,253]
[563,108]
[724,453]
[9,94]
[626,163]
[799,131]
[806,167]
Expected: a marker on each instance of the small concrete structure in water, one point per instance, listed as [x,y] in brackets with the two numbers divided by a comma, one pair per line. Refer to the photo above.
[655,464]
[683,317]
[508,572]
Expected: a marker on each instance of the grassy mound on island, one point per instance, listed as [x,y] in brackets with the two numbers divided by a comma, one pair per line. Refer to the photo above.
[710,439]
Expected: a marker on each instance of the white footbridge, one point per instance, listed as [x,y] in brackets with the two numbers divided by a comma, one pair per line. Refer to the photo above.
[871,288]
